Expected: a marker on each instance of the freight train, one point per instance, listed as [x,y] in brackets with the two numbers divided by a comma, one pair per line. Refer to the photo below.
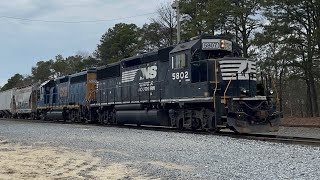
[201,84]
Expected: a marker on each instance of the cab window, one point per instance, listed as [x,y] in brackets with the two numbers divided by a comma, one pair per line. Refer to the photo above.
[179,61]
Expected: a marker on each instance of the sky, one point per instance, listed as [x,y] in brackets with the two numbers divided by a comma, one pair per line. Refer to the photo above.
[24,43]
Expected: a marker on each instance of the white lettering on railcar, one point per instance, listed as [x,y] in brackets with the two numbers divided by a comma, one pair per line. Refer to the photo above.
[148,72]
[146,86]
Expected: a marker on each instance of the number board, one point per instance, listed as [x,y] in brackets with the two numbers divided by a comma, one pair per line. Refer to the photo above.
[215,44]
[180,75]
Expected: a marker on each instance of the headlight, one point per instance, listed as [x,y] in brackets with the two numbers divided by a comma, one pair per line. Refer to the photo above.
[222,44]
[271,92]
[244,91]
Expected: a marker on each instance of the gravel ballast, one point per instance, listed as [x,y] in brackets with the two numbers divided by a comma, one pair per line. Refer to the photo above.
[298,132]
[170,155]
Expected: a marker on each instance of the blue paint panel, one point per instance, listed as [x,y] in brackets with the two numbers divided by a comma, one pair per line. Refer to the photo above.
[78,93]
[63,94]
[46,95]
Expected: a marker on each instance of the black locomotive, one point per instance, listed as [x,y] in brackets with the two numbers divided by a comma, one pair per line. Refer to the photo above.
[200,84]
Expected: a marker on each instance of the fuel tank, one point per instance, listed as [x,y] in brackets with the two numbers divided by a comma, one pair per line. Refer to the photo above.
[143,117]
[57,115]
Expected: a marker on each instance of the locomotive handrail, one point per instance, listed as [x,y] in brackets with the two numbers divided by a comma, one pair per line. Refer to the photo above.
[225,91]
[130,96]
[216,83]
[205,60]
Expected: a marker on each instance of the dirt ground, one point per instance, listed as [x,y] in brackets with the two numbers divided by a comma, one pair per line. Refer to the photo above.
[300,122]
[27,162]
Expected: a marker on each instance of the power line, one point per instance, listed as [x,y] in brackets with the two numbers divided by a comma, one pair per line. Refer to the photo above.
[74,22]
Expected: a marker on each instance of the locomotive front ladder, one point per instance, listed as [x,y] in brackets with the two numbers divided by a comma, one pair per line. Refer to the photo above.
[216,100]
[216,84]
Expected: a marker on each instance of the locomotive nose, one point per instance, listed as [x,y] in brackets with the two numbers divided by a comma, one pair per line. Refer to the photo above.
[253,116]
[262,114]
[248,124]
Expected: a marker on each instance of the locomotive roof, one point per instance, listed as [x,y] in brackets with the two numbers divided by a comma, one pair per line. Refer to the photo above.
[108,65]
[62,77]
[158,55]
[140,56]
[189,44]
[78,74]
[185,46]
[83,72]
[45,83]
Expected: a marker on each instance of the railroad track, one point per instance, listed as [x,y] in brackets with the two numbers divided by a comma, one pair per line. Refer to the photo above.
[258,137]
[275,138]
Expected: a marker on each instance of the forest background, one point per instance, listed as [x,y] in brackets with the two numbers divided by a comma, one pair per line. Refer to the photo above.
[282,35]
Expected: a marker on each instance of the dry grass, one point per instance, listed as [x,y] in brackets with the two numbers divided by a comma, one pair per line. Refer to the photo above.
[28,162]
[301,122]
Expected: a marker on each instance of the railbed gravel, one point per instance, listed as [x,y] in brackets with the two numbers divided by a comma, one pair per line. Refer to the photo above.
[169,155]
[298,131]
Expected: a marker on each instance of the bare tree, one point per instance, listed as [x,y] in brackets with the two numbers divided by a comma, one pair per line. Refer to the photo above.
[167,19]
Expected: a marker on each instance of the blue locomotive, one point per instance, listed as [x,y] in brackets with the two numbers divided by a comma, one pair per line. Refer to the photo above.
[67,98]
[202,84]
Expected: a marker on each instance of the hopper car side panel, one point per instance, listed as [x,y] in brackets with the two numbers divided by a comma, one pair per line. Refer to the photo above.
[23,102]
[6,98]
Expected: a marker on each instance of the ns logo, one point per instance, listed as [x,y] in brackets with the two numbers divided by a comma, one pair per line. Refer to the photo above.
[245,68]
[148,73]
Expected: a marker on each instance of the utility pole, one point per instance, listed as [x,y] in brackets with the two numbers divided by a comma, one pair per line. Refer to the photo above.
[176,6]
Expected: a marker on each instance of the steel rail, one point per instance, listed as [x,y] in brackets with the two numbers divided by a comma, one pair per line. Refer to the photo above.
[258,137]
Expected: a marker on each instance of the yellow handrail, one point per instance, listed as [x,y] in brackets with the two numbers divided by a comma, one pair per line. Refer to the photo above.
[216,82]
[225,92]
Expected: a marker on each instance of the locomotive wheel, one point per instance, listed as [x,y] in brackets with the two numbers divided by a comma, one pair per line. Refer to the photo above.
[196,124]
[73,116]
[180,125]
[102,118]
[233,129]
[32,116]
[113,119]
[43,117]
[69,120]
[213,130]
[87,121]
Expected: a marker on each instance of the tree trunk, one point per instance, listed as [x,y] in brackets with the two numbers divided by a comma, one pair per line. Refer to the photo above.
[301,108]
[314,97]
[310,63]
[309,110]
[244,39]
[280,93]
